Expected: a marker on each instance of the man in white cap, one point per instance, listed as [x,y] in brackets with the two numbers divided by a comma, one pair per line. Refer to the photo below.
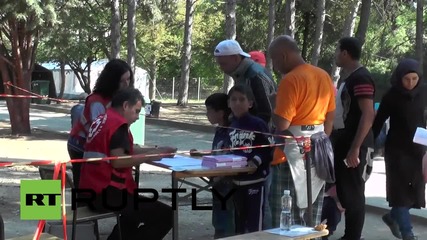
[238,64]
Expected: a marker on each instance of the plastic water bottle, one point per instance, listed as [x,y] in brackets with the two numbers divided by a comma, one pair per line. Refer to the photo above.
[285,215]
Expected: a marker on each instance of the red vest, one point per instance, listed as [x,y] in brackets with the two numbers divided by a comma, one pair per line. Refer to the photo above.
[101,174]
[85,120]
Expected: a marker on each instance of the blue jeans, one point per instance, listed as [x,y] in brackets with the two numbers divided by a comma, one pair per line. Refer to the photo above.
[403,218]
[223,220]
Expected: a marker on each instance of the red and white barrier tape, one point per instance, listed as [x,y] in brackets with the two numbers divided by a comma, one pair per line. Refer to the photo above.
[18,162]
[35,95]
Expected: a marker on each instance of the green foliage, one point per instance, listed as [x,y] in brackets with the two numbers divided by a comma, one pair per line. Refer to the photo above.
[83,31]
[79,35]
[34,17]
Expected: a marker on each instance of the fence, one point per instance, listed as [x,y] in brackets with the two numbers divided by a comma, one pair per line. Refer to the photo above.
[198,88]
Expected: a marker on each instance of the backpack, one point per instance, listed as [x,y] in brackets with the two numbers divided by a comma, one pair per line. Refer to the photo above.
[76,113]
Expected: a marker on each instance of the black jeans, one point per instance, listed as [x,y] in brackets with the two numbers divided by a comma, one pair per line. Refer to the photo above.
[75,154]
[144,220]
[350,187]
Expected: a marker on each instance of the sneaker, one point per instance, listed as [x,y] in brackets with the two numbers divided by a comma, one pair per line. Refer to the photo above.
[411,237]
[361,238]
[394,228]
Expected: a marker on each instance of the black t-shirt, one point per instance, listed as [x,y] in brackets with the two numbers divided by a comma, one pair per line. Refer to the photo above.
[358,84]
[120,139]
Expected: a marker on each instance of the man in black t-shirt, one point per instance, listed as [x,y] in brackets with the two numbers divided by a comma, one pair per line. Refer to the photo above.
[352,137]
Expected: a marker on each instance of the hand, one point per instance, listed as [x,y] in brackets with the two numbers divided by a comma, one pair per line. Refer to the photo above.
[340,207]
[353,158]
[194,152]
[169,151]
[251,164]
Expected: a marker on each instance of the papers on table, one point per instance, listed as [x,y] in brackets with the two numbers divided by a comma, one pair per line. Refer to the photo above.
[181,163]
[420,136]
[296,231]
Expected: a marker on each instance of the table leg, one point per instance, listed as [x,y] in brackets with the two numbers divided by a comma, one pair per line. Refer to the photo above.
[175,212]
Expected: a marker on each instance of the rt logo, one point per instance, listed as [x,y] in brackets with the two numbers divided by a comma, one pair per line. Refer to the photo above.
[40,199]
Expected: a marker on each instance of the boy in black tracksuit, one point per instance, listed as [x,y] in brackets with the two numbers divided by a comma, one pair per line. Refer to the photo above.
[247,130]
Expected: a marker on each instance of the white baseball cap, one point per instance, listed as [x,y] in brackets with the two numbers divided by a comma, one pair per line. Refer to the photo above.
[229,47]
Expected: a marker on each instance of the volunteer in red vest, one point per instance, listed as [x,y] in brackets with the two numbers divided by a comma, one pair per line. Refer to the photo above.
[116,75]
[112,180]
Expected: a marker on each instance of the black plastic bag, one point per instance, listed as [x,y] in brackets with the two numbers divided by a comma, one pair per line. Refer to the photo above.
[322,156]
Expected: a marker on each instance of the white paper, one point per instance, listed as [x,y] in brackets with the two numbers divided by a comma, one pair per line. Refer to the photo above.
[181,163]
[296,231]
[420,136]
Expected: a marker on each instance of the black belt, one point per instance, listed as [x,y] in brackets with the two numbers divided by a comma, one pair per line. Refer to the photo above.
[308,127]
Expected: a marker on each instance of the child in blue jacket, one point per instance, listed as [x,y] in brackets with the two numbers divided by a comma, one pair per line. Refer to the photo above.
[247,130]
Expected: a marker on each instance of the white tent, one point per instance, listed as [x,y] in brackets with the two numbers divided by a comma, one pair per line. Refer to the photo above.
[73,90]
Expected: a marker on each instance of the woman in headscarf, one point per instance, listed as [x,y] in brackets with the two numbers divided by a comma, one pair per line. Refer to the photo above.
[404,104]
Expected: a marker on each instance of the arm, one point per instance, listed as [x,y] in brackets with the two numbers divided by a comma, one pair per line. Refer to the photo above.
[261,155]
[285,109]
[382,114]
[129,162]
[365,124]
[280,123]
[96,109]
[259,89]
[330,114]
[329,122]
[120,146]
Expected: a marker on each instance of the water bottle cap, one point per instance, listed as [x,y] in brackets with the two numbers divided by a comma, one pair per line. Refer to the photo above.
[287,192]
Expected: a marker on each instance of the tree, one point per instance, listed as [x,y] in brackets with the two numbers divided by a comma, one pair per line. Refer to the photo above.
[79,38]
[419,35]
[347,31]
[21,25]
[159,40]
[290,18]
[186,53]
[270,34]
[115,29]
[131,34]
[230,33]
[318,35]
[365,12]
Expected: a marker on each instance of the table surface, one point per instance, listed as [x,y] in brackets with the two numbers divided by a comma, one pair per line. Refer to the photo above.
[193,171]
[270,236]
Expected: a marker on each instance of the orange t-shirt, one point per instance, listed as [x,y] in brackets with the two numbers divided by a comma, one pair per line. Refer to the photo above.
[304,97]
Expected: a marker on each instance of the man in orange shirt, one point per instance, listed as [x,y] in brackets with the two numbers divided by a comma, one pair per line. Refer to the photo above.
[305,104]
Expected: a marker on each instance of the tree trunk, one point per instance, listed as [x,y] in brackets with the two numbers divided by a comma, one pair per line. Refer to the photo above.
[306,32]
[186,53]
[362,28]
[290,18]
[62,88]
[22,54]
[350,21]
[115,29]
[318,34]
[348,30]
[152,71]
[419,35]
[131,34]
[230,33]
[270,35]
[80,74]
